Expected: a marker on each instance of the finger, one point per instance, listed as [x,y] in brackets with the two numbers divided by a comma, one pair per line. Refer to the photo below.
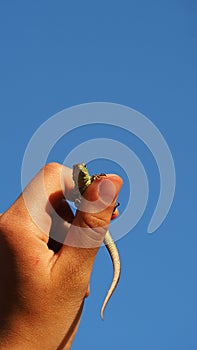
[41,201]
[59,228]
[75,259]
[94,213]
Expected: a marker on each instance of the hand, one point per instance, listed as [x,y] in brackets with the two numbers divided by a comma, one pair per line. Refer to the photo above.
[43,283]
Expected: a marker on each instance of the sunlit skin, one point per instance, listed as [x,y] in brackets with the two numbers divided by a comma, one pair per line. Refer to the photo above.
[42,291]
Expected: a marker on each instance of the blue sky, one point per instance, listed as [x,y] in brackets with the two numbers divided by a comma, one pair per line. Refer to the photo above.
[142,54]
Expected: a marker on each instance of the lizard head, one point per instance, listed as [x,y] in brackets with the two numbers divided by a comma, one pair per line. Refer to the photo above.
[79,166]
[81,176]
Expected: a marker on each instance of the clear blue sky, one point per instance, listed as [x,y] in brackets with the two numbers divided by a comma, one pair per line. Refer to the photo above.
[143,54]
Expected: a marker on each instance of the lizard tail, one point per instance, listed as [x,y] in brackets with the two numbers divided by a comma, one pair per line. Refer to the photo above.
[111,247]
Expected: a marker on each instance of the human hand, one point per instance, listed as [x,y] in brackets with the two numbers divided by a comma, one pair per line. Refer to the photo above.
[42,282]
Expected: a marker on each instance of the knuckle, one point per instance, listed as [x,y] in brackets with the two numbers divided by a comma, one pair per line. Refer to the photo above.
[52,167]
[95,223]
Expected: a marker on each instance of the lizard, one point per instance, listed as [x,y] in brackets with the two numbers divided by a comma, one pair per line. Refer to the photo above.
[82,180]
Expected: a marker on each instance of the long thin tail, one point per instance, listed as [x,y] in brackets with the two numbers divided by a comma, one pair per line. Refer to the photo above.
[113,251]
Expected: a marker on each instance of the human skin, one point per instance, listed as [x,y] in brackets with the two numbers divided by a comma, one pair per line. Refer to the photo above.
[44,283]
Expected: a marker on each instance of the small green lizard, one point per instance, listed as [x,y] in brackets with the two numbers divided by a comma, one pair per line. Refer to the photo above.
[82,180]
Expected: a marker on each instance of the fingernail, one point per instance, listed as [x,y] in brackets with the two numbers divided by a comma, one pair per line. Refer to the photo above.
[107,191]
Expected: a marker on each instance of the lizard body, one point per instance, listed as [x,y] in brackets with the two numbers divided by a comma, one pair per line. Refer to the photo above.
[82,180]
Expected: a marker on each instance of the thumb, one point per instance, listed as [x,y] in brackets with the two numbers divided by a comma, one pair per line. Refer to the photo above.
[89,227]
[94,213]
